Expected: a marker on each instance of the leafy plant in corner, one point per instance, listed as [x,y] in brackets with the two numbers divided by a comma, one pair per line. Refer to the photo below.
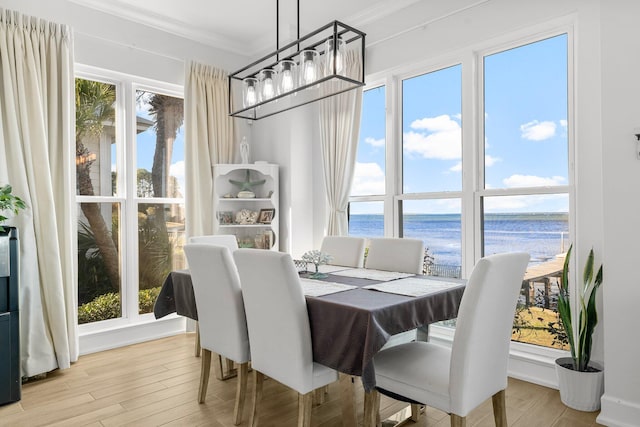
[9,202]
[580,335]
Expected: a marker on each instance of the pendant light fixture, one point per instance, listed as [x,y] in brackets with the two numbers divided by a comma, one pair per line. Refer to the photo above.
[306,70]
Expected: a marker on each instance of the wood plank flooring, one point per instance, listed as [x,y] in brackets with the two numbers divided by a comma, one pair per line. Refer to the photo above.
[156,384]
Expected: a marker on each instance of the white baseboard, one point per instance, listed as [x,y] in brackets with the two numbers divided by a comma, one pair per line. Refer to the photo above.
[618,413]
[534,364]
[127,334]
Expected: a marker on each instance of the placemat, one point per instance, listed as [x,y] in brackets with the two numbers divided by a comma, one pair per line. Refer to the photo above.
[318,288]
[371,274]
[413,287]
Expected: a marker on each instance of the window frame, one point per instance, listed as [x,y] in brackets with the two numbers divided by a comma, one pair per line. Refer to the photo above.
[126,194]
[473,150]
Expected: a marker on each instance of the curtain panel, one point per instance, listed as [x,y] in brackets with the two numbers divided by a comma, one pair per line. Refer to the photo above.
[36,140]
[339,131]
[209,139]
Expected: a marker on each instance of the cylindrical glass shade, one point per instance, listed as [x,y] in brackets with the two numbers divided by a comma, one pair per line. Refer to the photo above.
[286,76]
[267,85]
[331,52]
[249,91]
[308,72]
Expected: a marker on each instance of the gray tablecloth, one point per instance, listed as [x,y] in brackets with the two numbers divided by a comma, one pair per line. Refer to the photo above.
[176,296]
[347,328]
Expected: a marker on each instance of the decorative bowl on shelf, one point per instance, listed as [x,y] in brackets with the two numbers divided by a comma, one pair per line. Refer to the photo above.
[246,195]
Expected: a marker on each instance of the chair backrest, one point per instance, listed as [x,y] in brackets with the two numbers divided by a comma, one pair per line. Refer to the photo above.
[396,254]
[480,349]
[277,317]
[346,251]
[216,286]
[228,240]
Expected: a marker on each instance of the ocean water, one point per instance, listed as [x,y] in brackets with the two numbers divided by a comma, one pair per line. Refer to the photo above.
[542,235]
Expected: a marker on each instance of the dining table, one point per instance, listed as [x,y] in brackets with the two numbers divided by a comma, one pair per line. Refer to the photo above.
[353,319]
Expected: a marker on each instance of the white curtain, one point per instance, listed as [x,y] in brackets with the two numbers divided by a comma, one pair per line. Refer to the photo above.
[209,136]
[339,129]
[36,119]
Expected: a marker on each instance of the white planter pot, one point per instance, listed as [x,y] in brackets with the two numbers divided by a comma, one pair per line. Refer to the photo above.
[580,390]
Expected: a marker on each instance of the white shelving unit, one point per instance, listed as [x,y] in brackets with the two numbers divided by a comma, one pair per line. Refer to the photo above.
[263,235]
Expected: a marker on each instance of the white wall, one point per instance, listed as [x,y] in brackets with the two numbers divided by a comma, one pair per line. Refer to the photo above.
[620,45]
[289,139]
[102,40]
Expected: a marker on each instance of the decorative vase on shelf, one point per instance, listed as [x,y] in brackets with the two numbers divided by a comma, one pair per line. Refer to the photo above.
[317,258]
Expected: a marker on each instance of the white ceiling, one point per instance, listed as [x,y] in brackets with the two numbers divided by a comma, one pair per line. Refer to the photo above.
[247,26]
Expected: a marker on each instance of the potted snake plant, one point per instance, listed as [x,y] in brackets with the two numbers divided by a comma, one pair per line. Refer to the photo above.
[580,380]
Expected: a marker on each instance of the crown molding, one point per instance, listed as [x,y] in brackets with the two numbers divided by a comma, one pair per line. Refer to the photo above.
[160,22]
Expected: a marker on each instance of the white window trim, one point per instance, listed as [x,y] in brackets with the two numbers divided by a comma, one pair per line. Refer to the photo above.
[132,327]
[528,362]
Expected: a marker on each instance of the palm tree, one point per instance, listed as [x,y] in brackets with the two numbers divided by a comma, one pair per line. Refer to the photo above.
[169,114]
[155,246]
[94,107]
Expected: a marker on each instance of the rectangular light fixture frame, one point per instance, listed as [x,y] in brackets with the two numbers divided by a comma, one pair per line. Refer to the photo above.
[329,84]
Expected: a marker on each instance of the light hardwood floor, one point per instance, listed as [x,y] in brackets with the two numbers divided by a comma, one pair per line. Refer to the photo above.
[156,383]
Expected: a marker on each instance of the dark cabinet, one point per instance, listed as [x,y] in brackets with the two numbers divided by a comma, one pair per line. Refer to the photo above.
[10,385]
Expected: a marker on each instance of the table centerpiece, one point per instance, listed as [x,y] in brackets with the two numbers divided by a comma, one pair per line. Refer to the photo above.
[317,258]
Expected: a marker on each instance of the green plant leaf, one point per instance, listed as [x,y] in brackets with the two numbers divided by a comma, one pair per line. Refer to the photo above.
[587,316]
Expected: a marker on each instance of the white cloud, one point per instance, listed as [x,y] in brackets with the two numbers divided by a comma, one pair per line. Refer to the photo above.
[177,170]
[456,168]
[507,204]
[490,160]
[374,142]
[442,139]
[563,123]
[441,123]
[368,179]
[518,181]
[538,131]
[538,203]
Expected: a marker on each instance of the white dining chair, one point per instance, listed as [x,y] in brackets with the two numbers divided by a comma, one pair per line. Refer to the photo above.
[228,240]
[279,329]
[395,254]
[346,251]
[221,317]
[458,379]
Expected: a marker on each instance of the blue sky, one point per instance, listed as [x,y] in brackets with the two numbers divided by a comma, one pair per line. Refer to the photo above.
[146,145]
[525,130]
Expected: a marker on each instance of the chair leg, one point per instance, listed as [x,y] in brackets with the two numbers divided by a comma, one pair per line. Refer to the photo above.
[500,408]
[304,409]
[257,397]
[371,408]
[415,412]
[458,421]
[241,392]
[205,368]
[318,396]
[197,347]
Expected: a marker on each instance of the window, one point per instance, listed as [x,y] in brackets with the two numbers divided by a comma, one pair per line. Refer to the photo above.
[366,204]
[525,200]
[432,167]
[124,208]
[504,186]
